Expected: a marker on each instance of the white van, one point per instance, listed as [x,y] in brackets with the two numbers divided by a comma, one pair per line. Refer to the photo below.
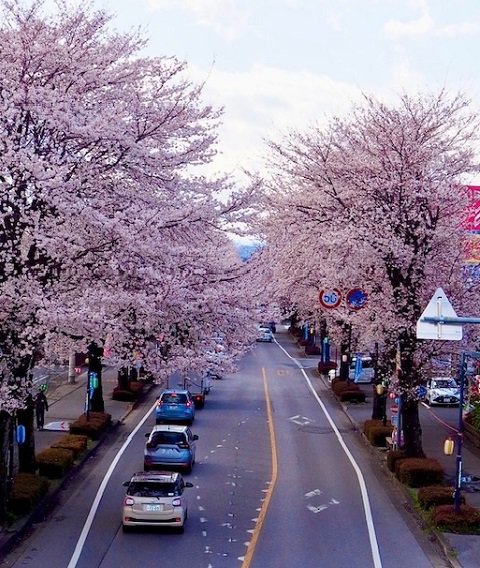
[366,373]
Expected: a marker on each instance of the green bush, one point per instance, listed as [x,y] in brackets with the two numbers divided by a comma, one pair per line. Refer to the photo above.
[349,395]
[76,443]
[96,424]
[54,462]
[466,521]
[393,456]
[27,490]
[473,417]
[325,366]
[435,495]
[418,472]
[377,435]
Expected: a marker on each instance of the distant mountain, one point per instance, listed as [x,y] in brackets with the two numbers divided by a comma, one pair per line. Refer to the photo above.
[245,251]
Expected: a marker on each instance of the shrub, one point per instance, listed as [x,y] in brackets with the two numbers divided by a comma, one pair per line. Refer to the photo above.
[325,366]
[473,417]
[418,472]
[54,462]
[341,386]
[93,427]
[434,495]
[369,423]
[377,435]
[76,443]
[393,456]
[349,395]
[467,520]
[123,395]
[27,490]
[312,350]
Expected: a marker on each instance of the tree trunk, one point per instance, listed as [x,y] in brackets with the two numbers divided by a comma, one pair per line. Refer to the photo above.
[122,378]
[26,452]
[5,420]
[95,354]
[412,431]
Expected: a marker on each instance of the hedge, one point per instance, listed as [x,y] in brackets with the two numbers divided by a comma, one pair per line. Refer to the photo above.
[466,521]
[76,443]
[351,395]
[369,423]
[418,472]
[392,457]
[377,435]
[435,495]
[340,386]
[27,490]
[54,462]
[97,423]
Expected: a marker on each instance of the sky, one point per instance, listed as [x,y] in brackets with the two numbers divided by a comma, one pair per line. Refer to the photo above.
[280,65]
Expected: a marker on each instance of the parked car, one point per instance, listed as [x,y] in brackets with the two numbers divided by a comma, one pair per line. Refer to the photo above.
[174,405]
[170,445]
[199,388]
[264,333]
[363,371]
[442,390]
[155,499]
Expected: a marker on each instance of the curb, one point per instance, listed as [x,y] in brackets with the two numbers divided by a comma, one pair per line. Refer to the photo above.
[444,545]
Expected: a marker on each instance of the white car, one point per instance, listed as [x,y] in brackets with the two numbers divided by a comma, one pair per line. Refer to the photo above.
[155,499]
[442,390]
[264,334]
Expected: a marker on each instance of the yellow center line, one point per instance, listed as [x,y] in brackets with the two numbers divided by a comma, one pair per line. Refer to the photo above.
[263,512]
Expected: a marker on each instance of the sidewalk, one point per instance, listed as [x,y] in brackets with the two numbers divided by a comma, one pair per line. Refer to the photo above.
[466,547]
[66,403]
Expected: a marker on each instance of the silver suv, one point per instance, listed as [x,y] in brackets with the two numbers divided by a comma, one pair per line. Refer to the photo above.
[155,499]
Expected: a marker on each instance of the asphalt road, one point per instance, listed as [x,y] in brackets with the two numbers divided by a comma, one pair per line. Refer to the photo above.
[276,484]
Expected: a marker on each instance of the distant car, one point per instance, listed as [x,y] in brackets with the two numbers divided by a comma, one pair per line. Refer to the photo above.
[442,390]
[175,406]
[170,445]
[364,372]
[264,333]
[155,499]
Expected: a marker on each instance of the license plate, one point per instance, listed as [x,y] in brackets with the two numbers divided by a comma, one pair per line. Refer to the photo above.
[153,507]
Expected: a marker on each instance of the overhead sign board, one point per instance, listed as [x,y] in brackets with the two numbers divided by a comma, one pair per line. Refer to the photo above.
[331,298]
[439,306]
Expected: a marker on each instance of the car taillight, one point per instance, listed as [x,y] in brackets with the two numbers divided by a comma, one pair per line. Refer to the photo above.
[129,501]
[189,404]
[177,502]
[183,445]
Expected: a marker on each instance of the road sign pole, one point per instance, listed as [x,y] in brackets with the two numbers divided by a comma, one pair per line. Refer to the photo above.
[459,461]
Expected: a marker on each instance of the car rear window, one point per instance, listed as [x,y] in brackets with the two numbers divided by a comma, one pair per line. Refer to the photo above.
[152,489]
[166,438]
[174,398]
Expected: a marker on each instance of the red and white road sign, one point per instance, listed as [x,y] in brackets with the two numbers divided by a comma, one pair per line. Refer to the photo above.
[331,298]
[394,409]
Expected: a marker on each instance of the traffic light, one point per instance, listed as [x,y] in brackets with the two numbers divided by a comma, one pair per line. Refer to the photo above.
[94,383]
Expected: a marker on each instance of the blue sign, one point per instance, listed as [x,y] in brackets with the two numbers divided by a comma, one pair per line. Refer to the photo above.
[421,391]
[21,435]
[358,367]
[356,299]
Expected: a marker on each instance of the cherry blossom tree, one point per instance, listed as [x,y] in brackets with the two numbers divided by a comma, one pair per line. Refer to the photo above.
[106,229]
[377,201]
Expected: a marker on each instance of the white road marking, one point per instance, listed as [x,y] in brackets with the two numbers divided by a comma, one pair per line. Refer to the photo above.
[101,490]
[377,561]
[312,493]
[300,420]
[317,509]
